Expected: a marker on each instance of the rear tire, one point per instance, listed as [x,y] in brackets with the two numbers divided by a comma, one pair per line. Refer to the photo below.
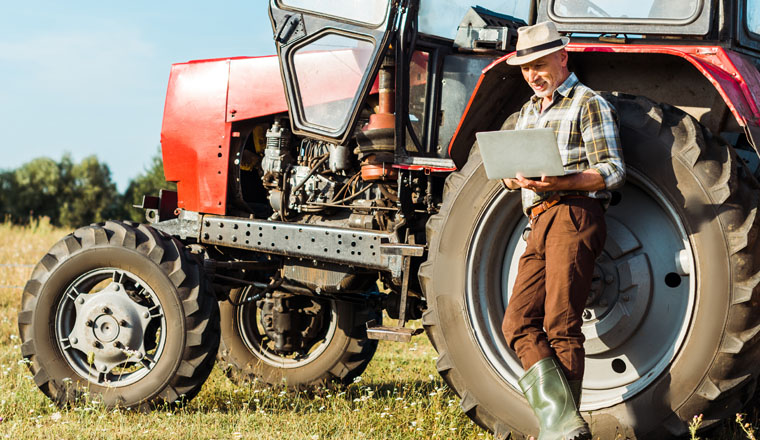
[118,310]
[688,344]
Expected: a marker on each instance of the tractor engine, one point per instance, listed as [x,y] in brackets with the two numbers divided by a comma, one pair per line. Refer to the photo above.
[310,180]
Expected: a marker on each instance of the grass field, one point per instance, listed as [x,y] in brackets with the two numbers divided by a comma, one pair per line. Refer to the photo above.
[400,395]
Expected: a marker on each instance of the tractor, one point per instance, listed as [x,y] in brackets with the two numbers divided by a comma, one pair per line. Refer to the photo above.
[339,182]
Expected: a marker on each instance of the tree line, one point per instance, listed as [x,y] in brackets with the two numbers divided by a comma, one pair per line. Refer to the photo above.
[75,194]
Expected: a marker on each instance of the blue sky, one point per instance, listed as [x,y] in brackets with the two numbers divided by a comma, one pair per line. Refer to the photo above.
[89,77]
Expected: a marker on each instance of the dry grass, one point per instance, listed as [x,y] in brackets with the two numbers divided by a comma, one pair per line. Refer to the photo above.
[400,396]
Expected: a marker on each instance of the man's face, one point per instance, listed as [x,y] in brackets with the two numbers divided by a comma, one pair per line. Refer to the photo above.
[545,74]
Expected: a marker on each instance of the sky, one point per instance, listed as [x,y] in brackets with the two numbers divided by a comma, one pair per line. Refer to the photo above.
[89,77]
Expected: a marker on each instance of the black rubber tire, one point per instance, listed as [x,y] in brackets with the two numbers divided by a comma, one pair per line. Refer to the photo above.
[346,356]
[716,199]
[192,314]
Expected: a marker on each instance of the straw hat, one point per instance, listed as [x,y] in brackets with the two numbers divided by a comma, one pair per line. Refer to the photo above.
[536,41]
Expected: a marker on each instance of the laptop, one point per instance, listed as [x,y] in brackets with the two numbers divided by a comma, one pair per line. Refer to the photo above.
[532,153]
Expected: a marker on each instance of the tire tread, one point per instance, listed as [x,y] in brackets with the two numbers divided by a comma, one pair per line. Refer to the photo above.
[200,308]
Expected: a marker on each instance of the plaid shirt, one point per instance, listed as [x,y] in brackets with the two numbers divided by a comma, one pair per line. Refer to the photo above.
[587,136]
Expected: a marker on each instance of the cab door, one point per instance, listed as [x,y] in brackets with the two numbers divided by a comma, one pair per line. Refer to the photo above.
[330,52]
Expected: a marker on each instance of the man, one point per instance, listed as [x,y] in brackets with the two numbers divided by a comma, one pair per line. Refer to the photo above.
[544,315]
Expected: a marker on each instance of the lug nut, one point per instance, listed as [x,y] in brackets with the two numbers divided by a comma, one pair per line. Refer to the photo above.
[106,310]
[146,315]
[103,368]
[626,298]
[587,314]
[75,340]
[89,323]
[609,279]
[80,300]
[97,344]
[116,287]
[123,323]
[139,355]
[117,344]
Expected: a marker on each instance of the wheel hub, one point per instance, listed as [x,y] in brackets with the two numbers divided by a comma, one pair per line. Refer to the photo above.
[106,329]
[621,294]
[110,327]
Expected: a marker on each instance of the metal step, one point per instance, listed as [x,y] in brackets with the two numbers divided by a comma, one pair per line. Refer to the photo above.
[396,334]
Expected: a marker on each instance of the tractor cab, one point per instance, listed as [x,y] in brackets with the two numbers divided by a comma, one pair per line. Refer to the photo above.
[441,49]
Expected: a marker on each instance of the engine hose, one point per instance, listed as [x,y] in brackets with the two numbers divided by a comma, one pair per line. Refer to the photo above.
[388,194]
[353,196]
[345,187]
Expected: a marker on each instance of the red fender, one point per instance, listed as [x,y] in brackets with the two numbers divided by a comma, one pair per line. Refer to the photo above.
[732,75]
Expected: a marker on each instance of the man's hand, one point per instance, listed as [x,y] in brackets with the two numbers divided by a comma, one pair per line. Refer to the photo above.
[547,183]
[588,180]
[511,183]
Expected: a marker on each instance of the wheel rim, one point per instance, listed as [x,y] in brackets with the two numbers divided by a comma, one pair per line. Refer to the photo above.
[643,291]
[110,327]
[258,343]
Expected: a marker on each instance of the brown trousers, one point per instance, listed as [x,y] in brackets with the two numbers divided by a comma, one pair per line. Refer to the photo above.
[544,314]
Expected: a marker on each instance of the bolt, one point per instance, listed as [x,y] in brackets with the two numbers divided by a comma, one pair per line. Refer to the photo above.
[587,314]
[103,368]
[97,344]
[146,315]
[116,287]
[124,323]
[74,340]
[107,310]
[89,323]
[117,344]
[139,355]
[80,300]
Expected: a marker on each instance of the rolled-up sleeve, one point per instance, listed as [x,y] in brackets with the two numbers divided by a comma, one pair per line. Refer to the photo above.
[602,141]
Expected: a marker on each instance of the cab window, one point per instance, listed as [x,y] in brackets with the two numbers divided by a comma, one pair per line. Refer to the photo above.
[641,10]
[329,71]
[366,11]
[753,16]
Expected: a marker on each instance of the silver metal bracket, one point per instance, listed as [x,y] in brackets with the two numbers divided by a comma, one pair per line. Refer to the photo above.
[399,333]
[186,225]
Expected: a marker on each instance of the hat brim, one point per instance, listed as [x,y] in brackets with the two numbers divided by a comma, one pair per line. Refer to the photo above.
[519,60]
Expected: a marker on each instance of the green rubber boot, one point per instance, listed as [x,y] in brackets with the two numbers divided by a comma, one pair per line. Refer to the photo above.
[575,388]
[549,394]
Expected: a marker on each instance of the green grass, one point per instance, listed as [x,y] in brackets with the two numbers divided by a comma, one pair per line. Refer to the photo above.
[399,396]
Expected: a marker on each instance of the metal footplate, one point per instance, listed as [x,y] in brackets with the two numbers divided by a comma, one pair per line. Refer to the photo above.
[396,334]
[399,333]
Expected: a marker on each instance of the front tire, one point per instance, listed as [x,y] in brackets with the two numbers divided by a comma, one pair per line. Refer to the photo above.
[119,310]
[671,324]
